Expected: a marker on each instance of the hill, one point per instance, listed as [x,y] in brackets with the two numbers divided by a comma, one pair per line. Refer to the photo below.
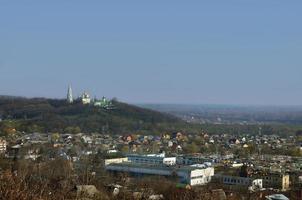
[41,114]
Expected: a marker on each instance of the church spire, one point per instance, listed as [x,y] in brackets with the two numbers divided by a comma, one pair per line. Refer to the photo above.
[69,95]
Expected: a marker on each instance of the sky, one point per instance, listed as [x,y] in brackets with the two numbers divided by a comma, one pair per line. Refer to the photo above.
[188,52]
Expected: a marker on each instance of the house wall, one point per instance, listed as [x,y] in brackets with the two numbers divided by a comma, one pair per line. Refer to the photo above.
[169,161]
[115,160]
[278,181]
[201,176]
[3,145]
[240,181]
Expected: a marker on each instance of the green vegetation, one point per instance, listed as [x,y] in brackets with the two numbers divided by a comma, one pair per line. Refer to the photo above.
[52,115]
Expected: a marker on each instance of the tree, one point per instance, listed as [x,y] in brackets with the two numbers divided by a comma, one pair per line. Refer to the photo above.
[72,129]
[192,148]
[125,149]
[55,137]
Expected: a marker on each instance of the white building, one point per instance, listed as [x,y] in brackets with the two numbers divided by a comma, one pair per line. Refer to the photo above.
[112,151]
[152,159]
[85,98]
[69,95]
[115,160]
[87,139]
[186,174]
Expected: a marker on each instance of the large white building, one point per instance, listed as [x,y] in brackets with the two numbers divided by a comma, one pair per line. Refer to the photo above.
[186,174]
[160,165]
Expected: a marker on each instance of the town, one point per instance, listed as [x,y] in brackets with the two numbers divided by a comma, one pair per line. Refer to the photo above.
[151,100]
[111,165]
[222,165]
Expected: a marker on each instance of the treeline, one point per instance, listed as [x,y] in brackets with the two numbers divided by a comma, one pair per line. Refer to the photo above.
[48,115]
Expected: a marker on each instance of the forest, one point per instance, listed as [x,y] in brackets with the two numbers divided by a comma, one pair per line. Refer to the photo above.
[56,115]
[48,115]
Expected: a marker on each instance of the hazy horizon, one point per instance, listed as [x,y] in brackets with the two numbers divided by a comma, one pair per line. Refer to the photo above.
[175,52]
[164,103]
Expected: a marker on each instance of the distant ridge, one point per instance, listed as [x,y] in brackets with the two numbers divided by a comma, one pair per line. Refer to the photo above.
[11,97]
[255,114]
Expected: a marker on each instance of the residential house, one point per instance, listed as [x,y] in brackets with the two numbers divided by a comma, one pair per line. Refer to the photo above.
[3,145]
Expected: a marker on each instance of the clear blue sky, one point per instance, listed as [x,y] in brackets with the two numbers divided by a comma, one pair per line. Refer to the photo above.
[217,52]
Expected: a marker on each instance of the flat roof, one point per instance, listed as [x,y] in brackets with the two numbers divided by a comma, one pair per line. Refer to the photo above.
[160,167]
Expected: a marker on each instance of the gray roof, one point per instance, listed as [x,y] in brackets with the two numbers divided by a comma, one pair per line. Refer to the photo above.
[277,197]
[160,167]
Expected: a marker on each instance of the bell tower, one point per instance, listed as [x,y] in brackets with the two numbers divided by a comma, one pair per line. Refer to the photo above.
[69,95]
